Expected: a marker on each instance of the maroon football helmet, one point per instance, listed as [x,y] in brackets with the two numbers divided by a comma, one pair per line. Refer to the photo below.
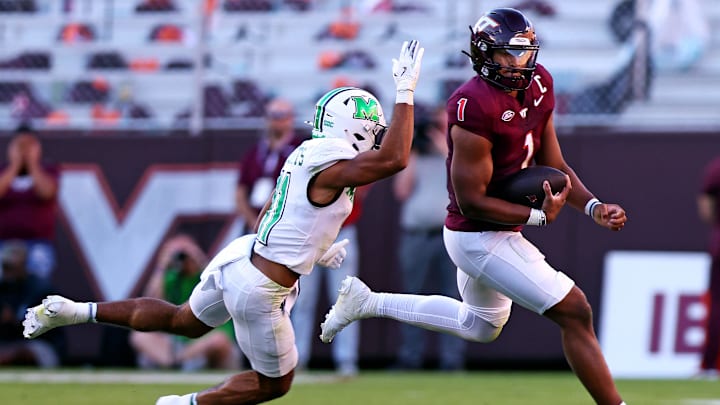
[509,32]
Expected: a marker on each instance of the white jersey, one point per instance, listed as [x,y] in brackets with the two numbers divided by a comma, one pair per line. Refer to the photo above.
[295,232]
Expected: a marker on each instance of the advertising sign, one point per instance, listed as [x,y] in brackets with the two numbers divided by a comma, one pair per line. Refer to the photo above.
[652,319]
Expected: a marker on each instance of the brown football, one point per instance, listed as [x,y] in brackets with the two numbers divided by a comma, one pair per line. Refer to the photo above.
[525,187]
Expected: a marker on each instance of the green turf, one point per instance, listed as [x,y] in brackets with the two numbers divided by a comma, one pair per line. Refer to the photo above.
[474,388]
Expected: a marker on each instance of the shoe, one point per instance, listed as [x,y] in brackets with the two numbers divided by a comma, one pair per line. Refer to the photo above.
[53,312]
[186,399]
[349,307]
[169,400]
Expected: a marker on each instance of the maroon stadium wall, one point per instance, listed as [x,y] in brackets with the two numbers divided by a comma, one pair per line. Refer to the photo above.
[654,176]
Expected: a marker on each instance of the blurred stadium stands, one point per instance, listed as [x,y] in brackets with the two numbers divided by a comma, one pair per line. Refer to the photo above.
[184,64]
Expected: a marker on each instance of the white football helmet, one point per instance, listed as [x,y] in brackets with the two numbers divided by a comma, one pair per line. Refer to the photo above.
[352,114]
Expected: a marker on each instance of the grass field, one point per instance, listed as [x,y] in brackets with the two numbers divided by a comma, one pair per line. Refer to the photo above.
[23,387]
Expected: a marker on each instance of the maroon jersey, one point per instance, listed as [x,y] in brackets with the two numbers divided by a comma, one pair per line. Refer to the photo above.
[711,187]
[24,215]
[261,162]
[514,126]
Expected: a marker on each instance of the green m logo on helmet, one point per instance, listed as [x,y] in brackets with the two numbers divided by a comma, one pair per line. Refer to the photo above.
[366,109]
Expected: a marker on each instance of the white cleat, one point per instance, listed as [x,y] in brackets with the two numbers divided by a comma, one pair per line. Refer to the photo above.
[170,400]
[186,399]
[349,307]
[53,312]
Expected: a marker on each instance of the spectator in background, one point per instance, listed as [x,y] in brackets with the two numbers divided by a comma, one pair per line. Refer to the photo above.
[709,212]
[261,165]
[180,262]
[425,265]
[18,290]
[345,348]
[28,201]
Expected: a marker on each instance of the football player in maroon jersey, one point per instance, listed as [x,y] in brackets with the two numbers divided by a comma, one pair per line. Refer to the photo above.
[500,121]
[708,204]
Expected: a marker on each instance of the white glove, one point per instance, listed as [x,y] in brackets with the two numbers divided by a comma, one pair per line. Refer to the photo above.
[406,70]
[334,256]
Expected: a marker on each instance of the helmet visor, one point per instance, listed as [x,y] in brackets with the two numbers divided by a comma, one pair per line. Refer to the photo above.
[515,57]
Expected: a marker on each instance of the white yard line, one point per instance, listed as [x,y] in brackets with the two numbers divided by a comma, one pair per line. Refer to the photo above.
[140,377]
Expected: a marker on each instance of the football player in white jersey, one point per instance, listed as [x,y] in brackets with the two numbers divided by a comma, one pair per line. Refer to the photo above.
[254,279]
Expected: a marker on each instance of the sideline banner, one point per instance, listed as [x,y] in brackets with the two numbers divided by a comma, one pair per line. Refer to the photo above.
[652,323]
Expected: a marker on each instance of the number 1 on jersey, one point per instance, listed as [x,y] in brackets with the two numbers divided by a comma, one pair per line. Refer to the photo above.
[461,109]
[275,211]
[529,147]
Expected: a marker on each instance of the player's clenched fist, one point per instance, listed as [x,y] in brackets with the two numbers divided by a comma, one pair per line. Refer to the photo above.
[406,70]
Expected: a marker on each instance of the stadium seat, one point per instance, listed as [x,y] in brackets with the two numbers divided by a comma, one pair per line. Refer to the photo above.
[8,90]
[216,102]
[167,33]
[18,6]
[86,91]
[76,32]
[155,6]
[251,98]
[106,60]
[247,5]
[28,60]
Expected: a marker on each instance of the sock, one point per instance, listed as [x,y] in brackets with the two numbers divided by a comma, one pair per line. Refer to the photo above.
[426,311]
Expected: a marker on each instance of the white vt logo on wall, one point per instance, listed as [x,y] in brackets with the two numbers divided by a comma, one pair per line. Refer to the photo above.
[119,245]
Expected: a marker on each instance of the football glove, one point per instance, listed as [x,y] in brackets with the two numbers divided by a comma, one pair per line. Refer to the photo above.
[335,255]
[406,70]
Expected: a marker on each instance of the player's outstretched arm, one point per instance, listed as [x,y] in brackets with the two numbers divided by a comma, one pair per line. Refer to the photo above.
[394,152]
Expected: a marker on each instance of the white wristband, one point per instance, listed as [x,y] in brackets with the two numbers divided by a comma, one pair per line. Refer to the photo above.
[590,206]
[404,97]
[537,217]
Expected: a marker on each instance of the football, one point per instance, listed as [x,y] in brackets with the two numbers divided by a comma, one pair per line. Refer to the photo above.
[525,187]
